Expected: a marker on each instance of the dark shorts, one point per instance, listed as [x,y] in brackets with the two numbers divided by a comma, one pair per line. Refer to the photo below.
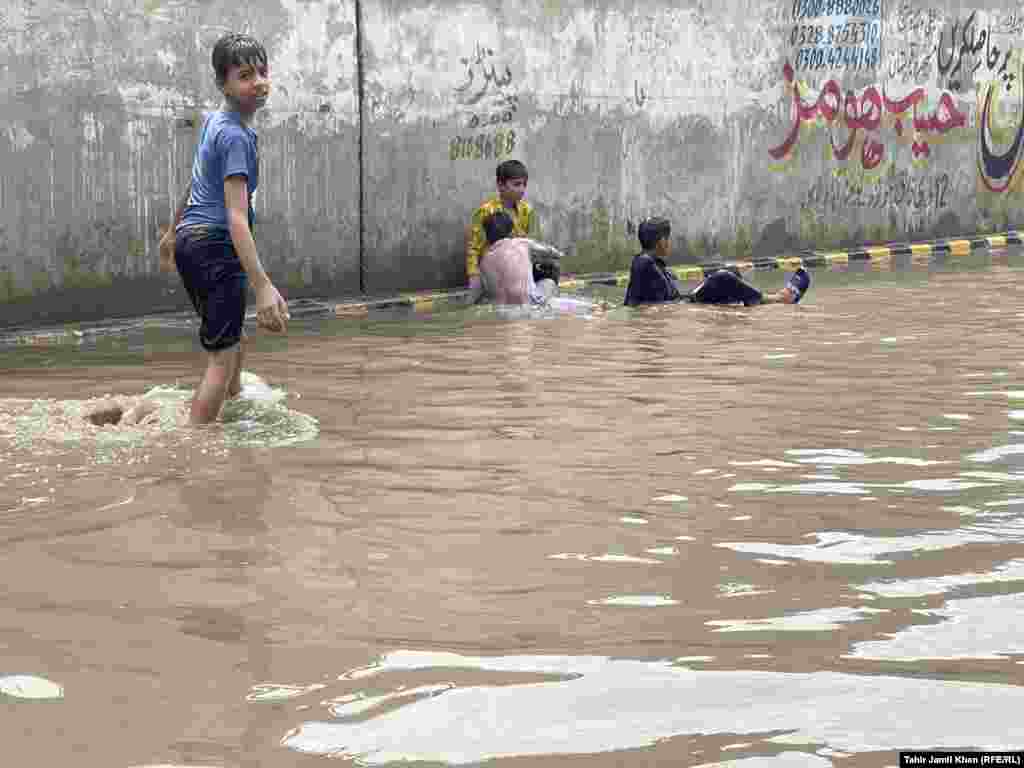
[724,287]
[216,284]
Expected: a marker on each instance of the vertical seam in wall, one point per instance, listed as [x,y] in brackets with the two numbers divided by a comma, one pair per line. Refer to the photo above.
[360,149]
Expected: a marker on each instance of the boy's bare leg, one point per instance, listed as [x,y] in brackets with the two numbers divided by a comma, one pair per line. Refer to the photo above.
[235,387]
[213,388]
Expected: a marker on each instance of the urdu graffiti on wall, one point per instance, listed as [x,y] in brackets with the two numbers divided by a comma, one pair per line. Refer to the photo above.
[898,189]
[999,170]
[485,93]
[836,34]
[911,36]
[864,116]
[488,102]
[967,47]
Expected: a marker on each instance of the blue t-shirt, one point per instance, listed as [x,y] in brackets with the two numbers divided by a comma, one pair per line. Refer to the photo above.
[226,148]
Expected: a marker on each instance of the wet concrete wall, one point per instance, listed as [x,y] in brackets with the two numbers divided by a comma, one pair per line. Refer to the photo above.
[755,125]
[103,101]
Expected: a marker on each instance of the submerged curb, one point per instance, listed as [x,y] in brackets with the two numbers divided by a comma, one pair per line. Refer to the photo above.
[901,255]
[880,257]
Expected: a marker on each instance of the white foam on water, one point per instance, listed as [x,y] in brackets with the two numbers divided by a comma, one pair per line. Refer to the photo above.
[662,551]
[736,589]
[942,484]
[823,620]
[30,687]
[1012,570]
[963,511]
[826,488]
[764,463]
[604,705]
[991,455]
[639,601]
[741,487]
[350,706]
[257,417]
[280,692]
[1016,415]
[672,497]
[957,416]
[779,760]
[604,558]
[856,549]
[999,477]
[975,628]
[845,457]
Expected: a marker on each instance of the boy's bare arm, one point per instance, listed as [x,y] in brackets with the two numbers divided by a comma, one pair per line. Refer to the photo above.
[271,309]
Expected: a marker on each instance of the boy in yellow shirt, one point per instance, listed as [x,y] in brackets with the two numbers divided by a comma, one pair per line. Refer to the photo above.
[512,178]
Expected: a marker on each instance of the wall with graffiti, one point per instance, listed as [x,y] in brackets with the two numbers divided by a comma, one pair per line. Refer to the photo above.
[757,126]
[766,126]
[911,130]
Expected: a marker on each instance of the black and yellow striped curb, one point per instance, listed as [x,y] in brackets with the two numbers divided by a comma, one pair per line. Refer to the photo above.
[914,254]
[891,256]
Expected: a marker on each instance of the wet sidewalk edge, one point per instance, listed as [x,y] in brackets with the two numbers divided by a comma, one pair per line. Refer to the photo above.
[917,255]
[880,256]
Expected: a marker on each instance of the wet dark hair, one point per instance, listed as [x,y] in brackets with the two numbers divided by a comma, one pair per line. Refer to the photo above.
[234,50]
[497,226]
[511,169]
[651,231]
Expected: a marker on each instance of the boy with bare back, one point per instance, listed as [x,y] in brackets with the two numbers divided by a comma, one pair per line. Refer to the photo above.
[211,244]
[512,179]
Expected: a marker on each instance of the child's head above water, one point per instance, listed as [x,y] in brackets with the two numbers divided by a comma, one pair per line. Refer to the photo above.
[512,178]
[497,226]
[654,235]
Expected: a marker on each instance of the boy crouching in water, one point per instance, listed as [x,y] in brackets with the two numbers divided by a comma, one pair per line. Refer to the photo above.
[212,244]
[506,267]
[512,179]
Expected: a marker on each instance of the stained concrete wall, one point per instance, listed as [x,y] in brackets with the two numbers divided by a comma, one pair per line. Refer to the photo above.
[760,125]
[103,102]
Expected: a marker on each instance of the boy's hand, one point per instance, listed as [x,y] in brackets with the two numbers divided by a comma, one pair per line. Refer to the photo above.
[167,250]
[271,308]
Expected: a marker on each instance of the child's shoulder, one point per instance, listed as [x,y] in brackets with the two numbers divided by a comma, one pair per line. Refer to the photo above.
[490,205]
[221,124]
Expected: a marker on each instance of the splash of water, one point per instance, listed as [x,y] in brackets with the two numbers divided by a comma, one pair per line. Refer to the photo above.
[258,417]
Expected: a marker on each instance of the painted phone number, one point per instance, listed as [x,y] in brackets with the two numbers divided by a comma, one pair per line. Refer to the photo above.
[850,33]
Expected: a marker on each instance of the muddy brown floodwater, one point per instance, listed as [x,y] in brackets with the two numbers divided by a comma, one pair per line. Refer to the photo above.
[678,536]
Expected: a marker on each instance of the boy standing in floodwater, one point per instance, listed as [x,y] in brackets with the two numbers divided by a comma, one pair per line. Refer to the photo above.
[212,244]
[512,178]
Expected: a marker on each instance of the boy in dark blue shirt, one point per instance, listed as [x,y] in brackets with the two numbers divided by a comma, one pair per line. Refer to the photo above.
[652,282]
[212,246]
